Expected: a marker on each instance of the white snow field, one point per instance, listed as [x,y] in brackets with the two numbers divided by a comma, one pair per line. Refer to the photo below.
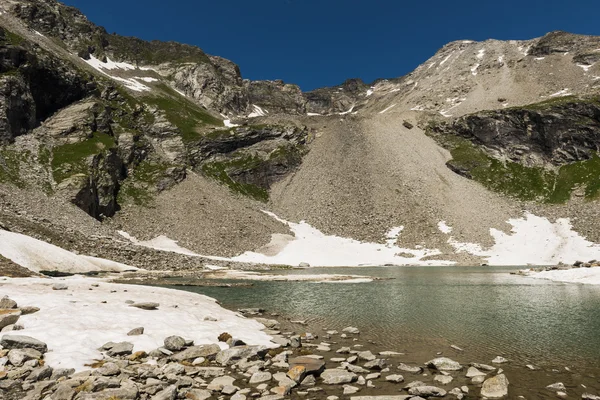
[37,256]
[590,276]
[77,321]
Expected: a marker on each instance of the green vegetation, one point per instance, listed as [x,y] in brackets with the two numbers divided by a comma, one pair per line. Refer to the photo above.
[219,171]
[525,183]
[182,113]
[155,52]
[556,101]
[10,166]
[70,159]
[140,186]
[12,38]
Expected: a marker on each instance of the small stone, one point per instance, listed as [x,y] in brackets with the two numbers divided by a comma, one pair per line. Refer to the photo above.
[372,376]
[18,357]
[351,329]
[28,310]
[109,369]
[260,377]
[39,374]
[120,349]
[297,373]
[174,343]
[229,389]
[136,331]
[410,368]
[9,319]
[145,306]
[308,381]
[198,361]
[495,387]
[350,389]
[313,366]
[499,360]
[191,353]
[220,382]
[559,386]
[6,303]
[427,391]
[473,372]
[366,355]
[444,364]
[60,286]
[169,393]
[296,341]
[456,348]
[224,337]
[394,378]
[337,377]
[377,364]
[443,379]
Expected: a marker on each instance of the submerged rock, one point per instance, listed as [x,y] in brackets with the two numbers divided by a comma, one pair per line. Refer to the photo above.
[495,387]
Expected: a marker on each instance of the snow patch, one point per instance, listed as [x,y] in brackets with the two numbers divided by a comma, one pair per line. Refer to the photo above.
[474,69]
[589,276]
[387,109]
[585,68]
[501,59]
[75,322]
[349,111]
[258,112]
[444,228]
[314,247]
[446,59]
[313,114]
[564,92]
[480,54]
[37,256]
[179,91]
[161,242]
[369,92]
[539,58]
[147,79]
[536,241]
[129,83]
[37,33]
[418,108]
[229,124]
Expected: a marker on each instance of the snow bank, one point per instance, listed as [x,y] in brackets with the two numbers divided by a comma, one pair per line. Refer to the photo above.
[258,112]
[161,242]
[130,83]
[318,249]
[387,109]
[75,322]
[589,276]
[37,256]
[534,240]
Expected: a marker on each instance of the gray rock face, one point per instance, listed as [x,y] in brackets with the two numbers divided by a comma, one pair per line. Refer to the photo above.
[235,354]
[337,377]
[174,343]
[23,342]
[427,391]
[444,364]
[194,352]
[495,387]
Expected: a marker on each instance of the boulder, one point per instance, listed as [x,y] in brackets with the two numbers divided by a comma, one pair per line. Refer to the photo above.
[136,331]
[427,391]
[145,306]
[366,355]
[313,366]
[118,349]
[219,383]
[297,373]
[7,303]
[351,329]
[495,387]
[232,355]
[394,378]
[169,393]
[18,357]
[410,368]
[377,364]
[260,377]
[443,379]
[472,372]
[60,286]
[557,387]
[444,364]
[337,377]
[174,343]
[23,342]
[9,318]
[193,352]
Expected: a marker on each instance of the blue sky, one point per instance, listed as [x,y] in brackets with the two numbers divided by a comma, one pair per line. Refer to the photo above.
[316,43]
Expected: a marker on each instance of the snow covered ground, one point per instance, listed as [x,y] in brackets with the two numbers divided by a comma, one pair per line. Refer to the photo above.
[590,276]
[37,256]
[77,321]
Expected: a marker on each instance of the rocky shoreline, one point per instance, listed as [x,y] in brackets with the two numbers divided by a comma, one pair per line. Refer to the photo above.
[332,365]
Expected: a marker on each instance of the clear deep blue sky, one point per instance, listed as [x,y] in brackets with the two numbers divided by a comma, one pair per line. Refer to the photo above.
[316,43]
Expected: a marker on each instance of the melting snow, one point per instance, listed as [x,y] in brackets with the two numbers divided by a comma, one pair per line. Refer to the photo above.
[589,276]
[564,92]
[480,54]
[347,112]
[446,59]
[161,242]
[418,108]
[501,59]
[586,68]
[534,240]
[369,92]
[474,69]
[229,124]
[258,112]
[539,58]
[313,114]
[37,256]
[37,33]
[148,79]
[314,247]
[444,228]
[389,108]
[77,321]
[130,83]
[179,91]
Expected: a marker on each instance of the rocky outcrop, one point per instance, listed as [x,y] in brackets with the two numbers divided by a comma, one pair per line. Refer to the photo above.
[276,96]
[335,99]
[563,42]
[555,132]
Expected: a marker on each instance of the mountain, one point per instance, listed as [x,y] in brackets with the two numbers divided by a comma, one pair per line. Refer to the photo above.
[101,134]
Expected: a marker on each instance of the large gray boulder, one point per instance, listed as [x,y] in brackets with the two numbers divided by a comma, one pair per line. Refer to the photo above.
[23,342]
[7,303]
[193,352]
[174,343]
[338,377]
[18,357]
[235,354]
[495,387]
[9,318]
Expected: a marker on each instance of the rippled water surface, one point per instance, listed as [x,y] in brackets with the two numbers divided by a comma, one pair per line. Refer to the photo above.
[485,310]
